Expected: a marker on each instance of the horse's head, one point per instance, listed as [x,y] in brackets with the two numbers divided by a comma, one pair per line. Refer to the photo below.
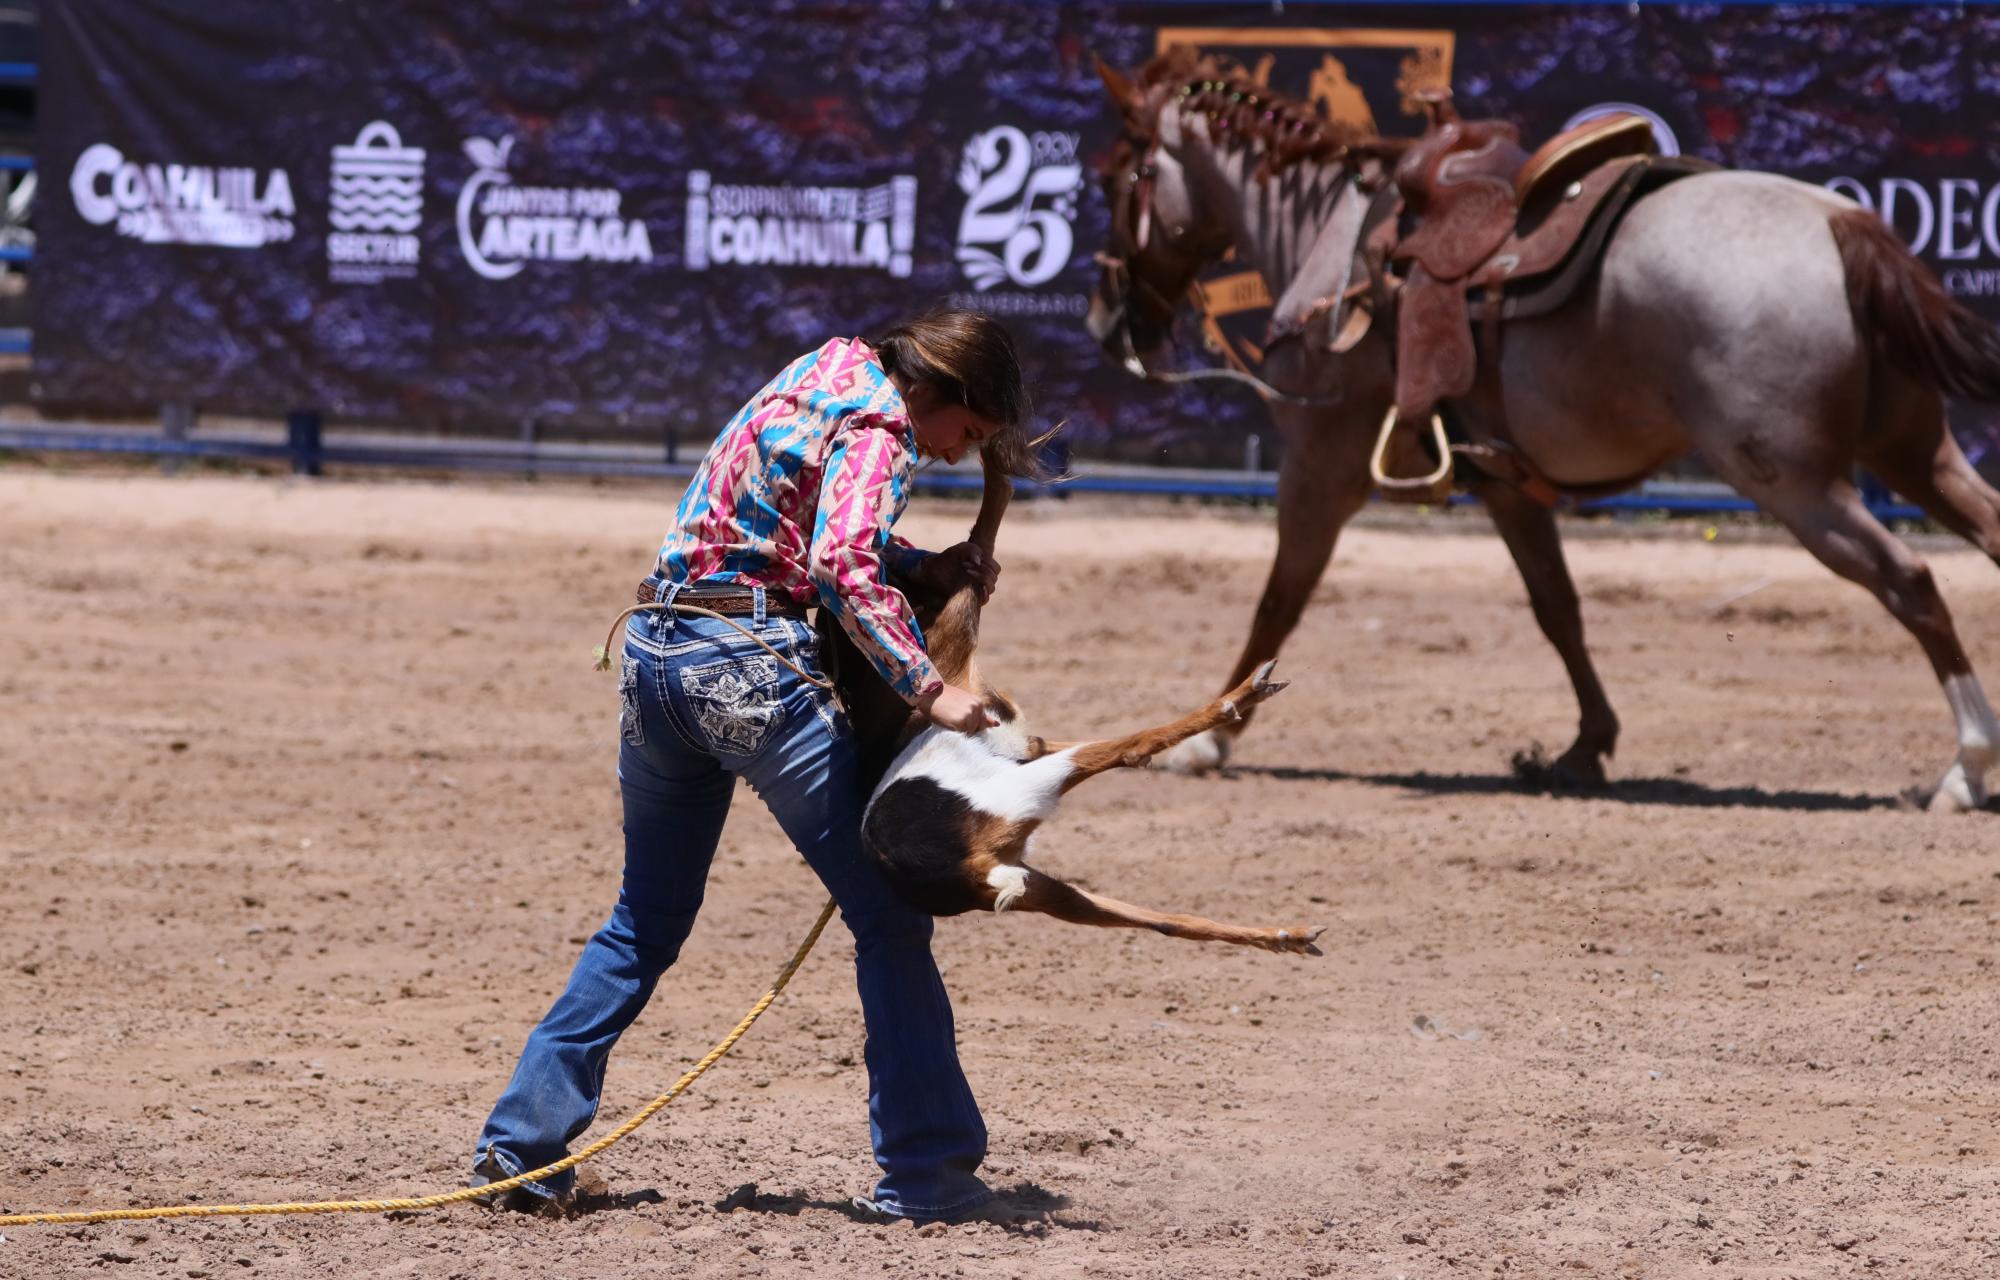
[1161,235]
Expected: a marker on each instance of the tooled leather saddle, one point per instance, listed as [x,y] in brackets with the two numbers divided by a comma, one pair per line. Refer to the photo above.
[1490,233]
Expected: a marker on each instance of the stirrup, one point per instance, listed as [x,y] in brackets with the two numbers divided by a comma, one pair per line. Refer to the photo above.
[1435,487]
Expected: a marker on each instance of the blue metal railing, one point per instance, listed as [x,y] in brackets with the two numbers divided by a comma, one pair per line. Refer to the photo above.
[307,450]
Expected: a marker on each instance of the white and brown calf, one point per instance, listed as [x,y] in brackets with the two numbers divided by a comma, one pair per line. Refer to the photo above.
[952,820]
[951,815]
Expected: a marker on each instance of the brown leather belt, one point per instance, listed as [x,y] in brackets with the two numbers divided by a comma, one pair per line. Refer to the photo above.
[726,600]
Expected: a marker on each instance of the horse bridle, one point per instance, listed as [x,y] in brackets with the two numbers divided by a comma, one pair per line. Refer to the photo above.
[1125,283]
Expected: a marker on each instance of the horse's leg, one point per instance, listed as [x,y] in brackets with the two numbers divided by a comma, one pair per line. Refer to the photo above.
[1321,484]
[1529,530]
[1917,457]
[1836,526]
[1914,454]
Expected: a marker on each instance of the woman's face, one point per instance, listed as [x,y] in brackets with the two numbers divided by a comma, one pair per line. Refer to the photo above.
[945,430]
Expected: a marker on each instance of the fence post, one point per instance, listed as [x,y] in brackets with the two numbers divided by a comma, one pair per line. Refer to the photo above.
[176,421]
[302,435]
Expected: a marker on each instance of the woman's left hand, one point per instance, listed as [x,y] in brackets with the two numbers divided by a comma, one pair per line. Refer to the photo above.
[964,565]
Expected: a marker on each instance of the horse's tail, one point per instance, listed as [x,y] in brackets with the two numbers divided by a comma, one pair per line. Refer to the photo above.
[1903,311]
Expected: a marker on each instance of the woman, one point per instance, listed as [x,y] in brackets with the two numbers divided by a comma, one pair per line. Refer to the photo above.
[792,507]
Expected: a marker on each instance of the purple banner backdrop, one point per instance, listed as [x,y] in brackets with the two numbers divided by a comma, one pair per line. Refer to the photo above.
[627,215]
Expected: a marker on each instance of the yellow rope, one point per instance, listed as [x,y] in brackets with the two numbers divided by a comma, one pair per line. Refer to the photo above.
[644,1114]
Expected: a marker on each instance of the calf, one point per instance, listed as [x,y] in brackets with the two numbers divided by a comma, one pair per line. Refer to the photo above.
[951,815]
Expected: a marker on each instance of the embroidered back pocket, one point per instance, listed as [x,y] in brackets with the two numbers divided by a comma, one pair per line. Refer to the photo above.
[735,703]
[630,726]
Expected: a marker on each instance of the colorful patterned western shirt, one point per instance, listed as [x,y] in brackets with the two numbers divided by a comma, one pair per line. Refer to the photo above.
[827,445]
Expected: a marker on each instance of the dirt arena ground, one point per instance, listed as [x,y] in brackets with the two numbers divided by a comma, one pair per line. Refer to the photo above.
[307,804]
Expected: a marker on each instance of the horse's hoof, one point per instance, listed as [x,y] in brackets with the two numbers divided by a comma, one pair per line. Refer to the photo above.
[1576,770]
[1958,792]
[1202,753]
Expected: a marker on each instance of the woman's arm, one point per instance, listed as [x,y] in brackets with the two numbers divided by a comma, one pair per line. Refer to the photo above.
[860,497]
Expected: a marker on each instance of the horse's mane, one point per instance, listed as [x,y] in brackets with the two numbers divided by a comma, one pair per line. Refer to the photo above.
[1289,131]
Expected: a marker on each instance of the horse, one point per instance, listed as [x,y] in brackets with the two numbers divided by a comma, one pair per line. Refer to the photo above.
[1774,329]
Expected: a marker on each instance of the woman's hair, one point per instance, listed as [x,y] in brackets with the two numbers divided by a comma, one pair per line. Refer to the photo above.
[970,359]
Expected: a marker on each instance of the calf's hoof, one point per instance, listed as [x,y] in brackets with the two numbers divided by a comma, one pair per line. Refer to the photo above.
[1259,687]
[1295,941]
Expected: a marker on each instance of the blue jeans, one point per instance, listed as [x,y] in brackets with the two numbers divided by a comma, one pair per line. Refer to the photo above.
[701,706]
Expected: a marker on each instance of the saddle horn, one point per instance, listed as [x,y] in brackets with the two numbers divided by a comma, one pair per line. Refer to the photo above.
[1438,105]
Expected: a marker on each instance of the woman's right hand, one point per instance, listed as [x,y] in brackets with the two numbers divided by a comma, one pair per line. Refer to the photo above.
[954,708]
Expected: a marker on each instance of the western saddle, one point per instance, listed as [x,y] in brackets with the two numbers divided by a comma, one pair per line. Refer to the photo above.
[1490,233]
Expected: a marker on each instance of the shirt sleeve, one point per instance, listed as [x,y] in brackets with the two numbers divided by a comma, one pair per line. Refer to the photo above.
[860,497]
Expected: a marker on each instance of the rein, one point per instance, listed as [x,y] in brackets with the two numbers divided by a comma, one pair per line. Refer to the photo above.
[1137,367]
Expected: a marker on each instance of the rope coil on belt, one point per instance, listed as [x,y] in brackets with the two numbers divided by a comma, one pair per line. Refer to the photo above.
[438,1201]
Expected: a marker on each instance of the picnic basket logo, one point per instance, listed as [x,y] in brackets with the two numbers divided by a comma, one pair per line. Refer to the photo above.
[503,226]
[734,224]
[1367,77]
[376,207]
[225,206]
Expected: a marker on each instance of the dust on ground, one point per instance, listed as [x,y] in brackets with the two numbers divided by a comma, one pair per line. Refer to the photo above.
[307,805]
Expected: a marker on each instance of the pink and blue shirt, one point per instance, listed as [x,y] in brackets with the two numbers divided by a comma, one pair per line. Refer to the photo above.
[798,494]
